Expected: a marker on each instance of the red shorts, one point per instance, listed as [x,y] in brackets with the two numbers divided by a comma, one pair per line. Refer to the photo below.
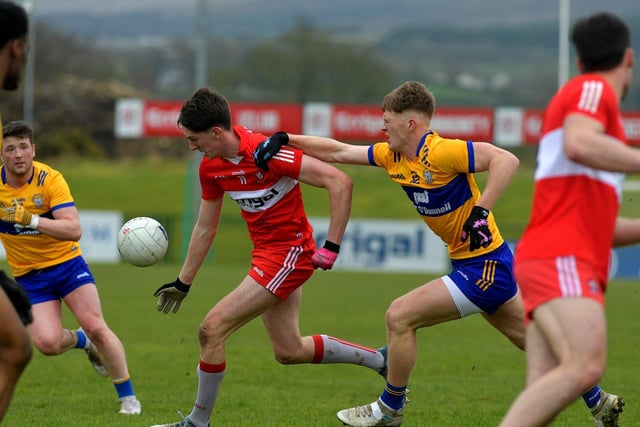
[541,280]
[282,271]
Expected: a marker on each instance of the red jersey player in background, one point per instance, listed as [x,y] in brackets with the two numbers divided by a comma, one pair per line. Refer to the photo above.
[284,253]
[562,260]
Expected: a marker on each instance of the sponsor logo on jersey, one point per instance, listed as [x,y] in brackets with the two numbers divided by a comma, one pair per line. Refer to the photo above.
[421,197]
[258,202]
[38,200]
[423,210]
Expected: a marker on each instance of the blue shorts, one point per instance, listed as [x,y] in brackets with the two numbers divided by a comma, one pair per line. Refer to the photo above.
[56,282]
[488,280]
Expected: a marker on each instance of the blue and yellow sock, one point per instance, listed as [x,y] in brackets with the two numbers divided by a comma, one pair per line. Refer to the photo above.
[592,397]
[82,341]
[124,387]
[393,397]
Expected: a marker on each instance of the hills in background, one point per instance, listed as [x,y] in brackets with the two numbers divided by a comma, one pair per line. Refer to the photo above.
[470,52]
[258,18]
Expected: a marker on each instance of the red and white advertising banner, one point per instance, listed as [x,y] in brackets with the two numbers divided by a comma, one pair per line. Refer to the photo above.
[471,124]
[531,126]
[505,126]
[357,123]
[350,123]
[135,118]
[268,118]
[364,122]
[159,118]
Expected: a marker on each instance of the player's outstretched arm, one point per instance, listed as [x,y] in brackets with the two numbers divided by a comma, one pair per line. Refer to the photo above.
[170,295]
[330,150]
[340,188]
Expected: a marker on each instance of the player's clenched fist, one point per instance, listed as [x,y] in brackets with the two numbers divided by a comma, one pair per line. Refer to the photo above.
[20,215]
[326,257]
[476,229]
[269,148]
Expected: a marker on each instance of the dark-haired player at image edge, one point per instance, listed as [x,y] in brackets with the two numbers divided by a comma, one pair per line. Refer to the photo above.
[562,260]
[284,252]
[437,174]
[40,229]
[15,308]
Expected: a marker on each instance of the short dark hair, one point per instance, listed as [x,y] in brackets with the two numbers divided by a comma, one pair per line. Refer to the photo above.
[600,40]
[17,129]
[410,95]
[14,22]
[205,109]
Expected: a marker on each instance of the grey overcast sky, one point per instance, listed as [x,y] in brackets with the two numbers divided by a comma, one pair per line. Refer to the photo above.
[108,6]
[241,16]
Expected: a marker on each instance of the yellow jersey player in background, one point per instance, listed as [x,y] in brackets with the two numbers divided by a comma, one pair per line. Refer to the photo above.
[40,229]
[436,174]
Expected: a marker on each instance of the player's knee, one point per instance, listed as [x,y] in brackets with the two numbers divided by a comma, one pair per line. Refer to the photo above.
[210,332]
[395,317]
[592,373]
[48,347]
[585,372]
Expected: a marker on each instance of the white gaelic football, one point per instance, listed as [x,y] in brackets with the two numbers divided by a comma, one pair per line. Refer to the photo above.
[142,241]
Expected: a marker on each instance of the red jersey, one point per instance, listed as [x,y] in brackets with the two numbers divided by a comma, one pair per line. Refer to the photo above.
[575,207]
[271,202]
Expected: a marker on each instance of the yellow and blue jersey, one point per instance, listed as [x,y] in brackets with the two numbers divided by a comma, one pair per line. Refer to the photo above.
[44,193]
[441,186]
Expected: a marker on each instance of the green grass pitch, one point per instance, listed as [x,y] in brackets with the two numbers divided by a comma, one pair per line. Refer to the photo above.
[467,374]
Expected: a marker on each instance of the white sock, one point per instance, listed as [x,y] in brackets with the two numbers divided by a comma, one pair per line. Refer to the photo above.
[335,350]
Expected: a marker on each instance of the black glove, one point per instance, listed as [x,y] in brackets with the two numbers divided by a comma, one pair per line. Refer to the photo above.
[477,227]
[171,294]
[269,148]
[18,298]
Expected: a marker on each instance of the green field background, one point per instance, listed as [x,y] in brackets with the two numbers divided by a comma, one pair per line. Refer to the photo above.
[467,374]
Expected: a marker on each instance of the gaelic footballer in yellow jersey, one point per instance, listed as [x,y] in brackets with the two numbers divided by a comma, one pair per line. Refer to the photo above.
[441,186]
[28,249]
[40,229]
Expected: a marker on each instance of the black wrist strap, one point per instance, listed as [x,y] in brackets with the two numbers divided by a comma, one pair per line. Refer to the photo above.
[480,211]
[182,287]
[333,247]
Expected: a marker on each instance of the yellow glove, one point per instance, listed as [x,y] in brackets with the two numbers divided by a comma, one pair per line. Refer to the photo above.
[20,215]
